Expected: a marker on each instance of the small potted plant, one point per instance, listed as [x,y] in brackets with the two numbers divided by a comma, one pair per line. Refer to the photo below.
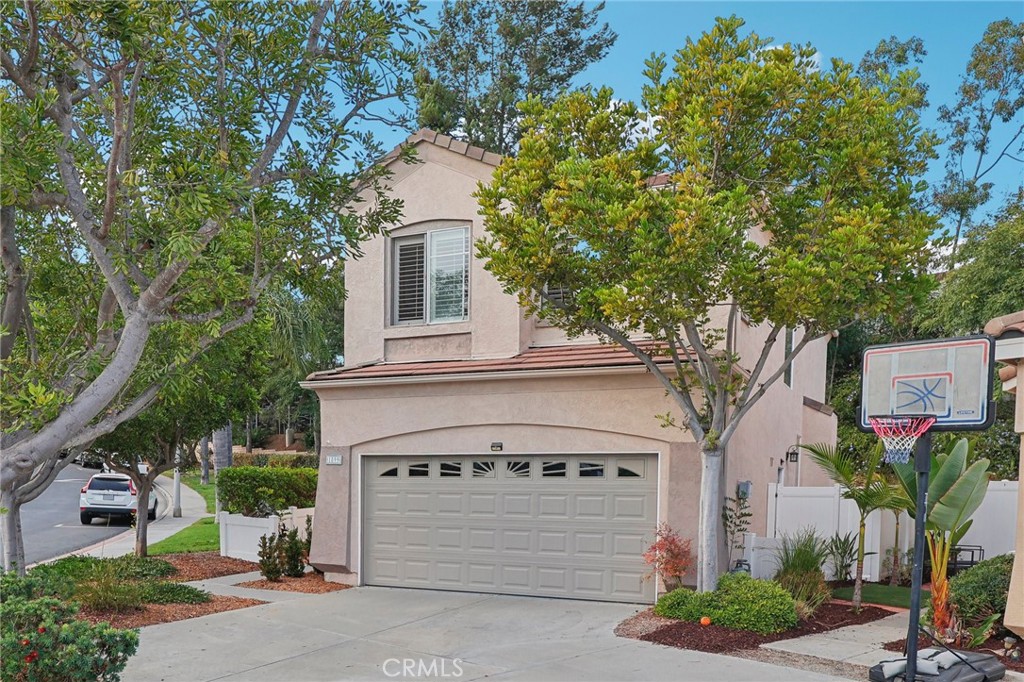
[669,556]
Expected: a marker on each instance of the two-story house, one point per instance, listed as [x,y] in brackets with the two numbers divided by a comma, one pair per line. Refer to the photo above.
[467,447]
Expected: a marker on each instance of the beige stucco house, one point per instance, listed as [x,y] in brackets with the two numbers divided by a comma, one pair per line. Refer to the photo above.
[467,447]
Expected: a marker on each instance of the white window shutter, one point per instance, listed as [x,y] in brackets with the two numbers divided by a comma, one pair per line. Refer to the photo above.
[409,292]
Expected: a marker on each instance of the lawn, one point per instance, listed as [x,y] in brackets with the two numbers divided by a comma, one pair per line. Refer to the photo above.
[201,536]
[875,593]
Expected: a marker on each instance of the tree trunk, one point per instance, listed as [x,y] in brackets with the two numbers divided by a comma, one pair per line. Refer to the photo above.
[710,516]
[10,533]
[858,578]
[142,518]
[894,579]
[204,460]
[222,448]
[248,434]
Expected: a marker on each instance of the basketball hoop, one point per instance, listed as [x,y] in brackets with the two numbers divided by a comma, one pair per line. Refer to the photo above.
[900,433]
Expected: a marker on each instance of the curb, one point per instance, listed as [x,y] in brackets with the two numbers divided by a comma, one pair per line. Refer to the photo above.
[168,501]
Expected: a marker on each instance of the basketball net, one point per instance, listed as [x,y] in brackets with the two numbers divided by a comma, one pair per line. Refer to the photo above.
[900,434]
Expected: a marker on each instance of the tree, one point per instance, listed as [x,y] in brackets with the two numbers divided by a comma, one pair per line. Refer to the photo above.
[864,486]
[164,164]
[989,281]
[985,126]
[184,412]
[748,141]
[955,491]
[488,55]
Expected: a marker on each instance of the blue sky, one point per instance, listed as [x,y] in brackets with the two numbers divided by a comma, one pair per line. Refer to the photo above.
[837,29]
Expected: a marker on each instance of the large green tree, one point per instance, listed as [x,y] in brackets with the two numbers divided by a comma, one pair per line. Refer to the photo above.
[486,56]
[164,165]
[771,193]
[985,126]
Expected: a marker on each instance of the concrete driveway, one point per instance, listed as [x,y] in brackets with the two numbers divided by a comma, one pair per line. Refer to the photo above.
[373,633]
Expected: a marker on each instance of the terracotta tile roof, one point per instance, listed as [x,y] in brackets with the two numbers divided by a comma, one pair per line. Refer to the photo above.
[1007,325]
[544,358]
[445,142]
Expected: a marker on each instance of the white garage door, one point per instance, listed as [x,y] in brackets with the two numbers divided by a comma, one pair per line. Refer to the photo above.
[557,526]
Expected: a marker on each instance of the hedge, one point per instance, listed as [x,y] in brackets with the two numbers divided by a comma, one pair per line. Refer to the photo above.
[740,602]
[982,589]
[263,491]
[298,460]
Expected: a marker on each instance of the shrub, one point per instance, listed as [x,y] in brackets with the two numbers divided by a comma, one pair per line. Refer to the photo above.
[981,590]
[801,552]
[129,567]
[163,592]
[269,554]
[808,589]
[744,603]
[740,602]
[669,556]
[260,492]
[841,551]
[40,639]
[263,459]
[292,552]
[102,589]
[41,581]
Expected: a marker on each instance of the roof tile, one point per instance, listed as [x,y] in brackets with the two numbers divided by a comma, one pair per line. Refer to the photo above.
[540,358]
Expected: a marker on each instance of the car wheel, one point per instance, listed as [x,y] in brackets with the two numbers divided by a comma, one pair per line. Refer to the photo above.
[86,518]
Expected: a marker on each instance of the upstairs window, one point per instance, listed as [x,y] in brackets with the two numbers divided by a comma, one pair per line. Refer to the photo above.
[431,277]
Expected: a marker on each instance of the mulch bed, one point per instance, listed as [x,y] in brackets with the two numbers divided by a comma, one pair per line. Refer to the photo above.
[993,645]
[311,583]
[718,639]
[205,565]
[152,614]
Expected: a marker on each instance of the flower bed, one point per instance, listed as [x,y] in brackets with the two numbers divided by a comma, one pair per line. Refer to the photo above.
[718,639]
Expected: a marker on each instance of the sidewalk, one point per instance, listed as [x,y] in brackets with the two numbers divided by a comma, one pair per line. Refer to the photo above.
[193,508]
[857,644]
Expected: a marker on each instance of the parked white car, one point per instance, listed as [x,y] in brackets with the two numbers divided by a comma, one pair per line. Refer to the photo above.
[112,495]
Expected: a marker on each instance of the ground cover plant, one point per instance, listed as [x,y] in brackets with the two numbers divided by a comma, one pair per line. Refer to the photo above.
[884,594]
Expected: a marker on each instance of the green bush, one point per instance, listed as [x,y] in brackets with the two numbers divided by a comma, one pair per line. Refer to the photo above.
[129,567]
[293,552]
[740,602]
[293,461]
[41,581]
[269,554]
[163,592]
[260,492]
[40,639]
[981,590]
[102,589]
[801,552]
[808,589]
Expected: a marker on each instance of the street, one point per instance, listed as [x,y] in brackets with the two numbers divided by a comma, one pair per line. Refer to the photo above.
[51,524]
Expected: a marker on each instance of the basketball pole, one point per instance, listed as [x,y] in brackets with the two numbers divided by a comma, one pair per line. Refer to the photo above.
[922,467]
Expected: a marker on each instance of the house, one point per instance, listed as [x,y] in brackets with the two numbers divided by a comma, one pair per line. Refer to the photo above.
[467,447]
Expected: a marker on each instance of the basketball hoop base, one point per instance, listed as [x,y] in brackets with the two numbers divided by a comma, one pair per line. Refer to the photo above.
[899,433]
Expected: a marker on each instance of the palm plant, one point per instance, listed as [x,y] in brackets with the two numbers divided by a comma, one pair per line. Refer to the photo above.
[864,485]
[955,491]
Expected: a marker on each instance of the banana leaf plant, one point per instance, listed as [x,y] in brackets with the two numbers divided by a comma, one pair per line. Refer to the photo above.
[955,491]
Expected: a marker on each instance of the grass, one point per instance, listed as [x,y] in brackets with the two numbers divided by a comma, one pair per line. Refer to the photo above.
[208,491]
[201,536]
[874,593]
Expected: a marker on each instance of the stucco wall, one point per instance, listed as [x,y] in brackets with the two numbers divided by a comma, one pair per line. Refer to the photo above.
[575,414]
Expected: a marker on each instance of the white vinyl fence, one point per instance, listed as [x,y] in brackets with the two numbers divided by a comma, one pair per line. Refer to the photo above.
[240,535]
[791,509]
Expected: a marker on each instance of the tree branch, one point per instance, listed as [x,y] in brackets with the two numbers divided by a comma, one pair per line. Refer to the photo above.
[15,280]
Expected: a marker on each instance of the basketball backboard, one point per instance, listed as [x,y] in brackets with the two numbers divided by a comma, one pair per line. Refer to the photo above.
[948,378]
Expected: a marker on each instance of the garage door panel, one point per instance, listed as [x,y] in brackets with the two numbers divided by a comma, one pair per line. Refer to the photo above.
[565,526]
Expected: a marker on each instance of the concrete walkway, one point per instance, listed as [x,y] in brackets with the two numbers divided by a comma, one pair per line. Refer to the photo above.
[374,633]
[857,644]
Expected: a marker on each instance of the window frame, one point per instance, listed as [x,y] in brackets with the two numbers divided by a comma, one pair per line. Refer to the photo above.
[425,238]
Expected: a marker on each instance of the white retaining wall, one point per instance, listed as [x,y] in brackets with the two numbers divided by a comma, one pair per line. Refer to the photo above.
[240,535]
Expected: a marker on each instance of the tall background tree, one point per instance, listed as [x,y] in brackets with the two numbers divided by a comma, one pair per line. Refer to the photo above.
[750,141]
[486,56]
[164,165]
